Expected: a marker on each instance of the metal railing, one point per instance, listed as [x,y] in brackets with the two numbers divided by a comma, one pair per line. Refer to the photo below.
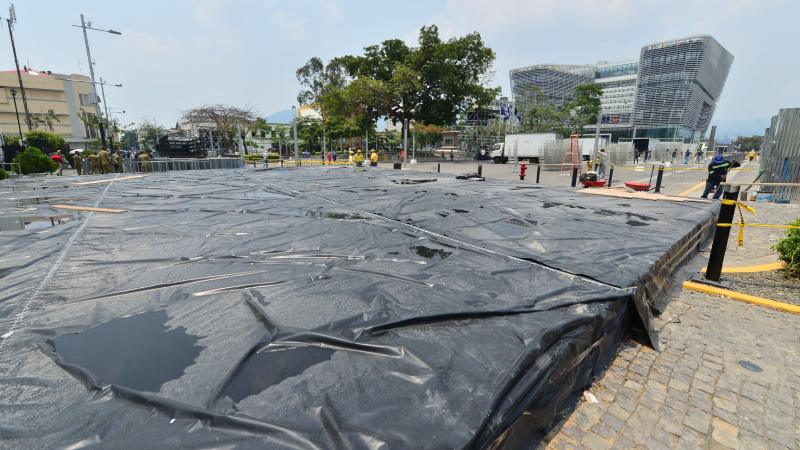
[173,164]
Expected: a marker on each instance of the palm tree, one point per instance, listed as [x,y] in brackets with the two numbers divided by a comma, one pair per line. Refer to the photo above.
[281,134]
[45,119]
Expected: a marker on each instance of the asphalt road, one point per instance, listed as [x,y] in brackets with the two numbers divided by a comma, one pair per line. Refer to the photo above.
[679,179]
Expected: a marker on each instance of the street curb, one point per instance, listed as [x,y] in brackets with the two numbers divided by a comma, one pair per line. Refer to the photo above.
[760,301]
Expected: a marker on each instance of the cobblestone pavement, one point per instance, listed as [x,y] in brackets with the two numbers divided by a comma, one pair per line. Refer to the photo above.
[728,376]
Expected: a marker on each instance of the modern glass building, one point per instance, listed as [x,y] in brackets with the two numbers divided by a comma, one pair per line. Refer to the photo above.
[550,83]
[670,92]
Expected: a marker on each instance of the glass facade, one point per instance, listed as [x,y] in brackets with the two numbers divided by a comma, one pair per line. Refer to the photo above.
[549,84]
[671,91]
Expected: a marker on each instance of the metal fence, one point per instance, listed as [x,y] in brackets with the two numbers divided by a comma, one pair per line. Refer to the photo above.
[780,155]
[172,164]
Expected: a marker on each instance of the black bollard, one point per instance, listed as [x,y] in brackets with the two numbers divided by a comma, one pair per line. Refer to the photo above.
[721,233]
[538,172]
[610,176]
[574,176]
[480,170]
[659,178]
[439,168]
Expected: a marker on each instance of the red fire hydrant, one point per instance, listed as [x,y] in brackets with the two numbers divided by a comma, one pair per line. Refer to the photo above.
[522,169]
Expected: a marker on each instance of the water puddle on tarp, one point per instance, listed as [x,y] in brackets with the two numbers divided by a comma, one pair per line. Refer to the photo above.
[430,253]
[407,181]
[510,228]
[139,351]
[16,223]
[272,365]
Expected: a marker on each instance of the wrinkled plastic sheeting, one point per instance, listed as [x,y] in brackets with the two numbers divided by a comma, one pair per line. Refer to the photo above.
[318,308]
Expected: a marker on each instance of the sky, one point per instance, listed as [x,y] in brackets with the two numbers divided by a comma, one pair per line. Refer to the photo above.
[177,54]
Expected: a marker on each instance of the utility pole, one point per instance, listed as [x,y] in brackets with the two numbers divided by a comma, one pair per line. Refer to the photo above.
[94,87]
[294,133]
[10,21]
[84,26]
[108,118]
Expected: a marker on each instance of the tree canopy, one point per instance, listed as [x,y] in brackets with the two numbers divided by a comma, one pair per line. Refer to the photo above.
[225,118]
[539,116]
[748,143]
[431,83]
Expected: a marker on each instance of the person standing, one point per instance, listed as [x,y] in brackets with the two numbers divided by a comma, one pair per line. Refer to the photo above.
[602,158]
[59,159]
[674,155]
[77,162]
[373,159]
[699,153]
[144,161]
[105,161]
[94,164]
[265,155]
[687,157]
[717,172]
[636,156]
[117,160]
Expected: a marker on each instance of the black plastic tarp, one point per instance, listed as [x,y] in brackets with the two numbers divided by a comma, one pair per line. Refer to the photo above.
[317,307]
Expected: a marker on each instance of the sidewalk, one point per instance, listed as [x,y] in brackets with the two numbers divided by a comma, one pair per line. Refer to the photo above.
[728,375]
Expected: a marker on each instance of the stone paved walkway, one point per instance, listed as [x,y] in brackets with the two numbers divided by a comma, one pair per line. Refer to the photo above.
[697,392]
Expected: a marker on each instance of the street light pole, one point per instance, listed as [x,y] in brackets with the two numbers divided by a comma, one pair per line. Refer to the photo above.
[94,87]
[16,111]
[91,73]
[294,133]
[108,118]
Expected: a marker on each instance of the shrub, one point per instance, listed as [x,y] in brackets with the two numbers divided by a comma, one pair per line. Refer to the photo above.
[32,160]
[788,250]
[3,174]
[252,157]
[273,157]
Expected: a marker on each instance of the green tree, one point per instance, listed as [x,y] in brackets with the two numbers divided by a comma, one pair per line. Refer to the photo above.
[310,131]
[583,110]
[47,142]
[225,118]
[149,133]
[45,120]
[280,135]
[536,114]
[319,80]
[32,160]
[749,143]
[432,83]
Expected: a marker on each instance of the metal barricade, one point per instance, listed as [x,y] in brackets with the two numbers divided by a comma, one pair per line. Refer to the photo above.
[180,164]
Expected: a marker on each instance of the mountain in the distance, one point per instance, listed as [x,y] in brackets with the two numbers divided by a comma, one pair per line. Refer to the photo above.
[284,116]
[729,129]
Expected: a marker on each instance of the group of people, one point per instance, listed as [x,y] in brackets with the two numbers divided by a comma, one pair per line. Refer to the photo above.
[717,169]
[100,163]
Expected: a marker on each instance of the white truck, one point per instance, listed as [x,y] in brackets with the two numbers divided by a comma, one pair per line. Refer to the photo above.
[521,146]
[529,146]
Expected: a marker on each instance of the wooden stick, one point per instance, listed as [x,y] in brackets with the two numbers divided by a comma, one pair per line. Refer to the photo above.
[110,180]
[89,208]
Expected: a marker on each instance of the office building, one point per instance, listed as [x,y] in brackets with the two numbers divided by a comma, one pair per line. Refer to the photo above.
[58,99]
[670,92]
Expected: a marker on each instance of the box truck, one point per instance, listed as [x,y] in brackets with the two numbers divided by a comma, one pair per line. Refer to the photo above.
[522,146]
